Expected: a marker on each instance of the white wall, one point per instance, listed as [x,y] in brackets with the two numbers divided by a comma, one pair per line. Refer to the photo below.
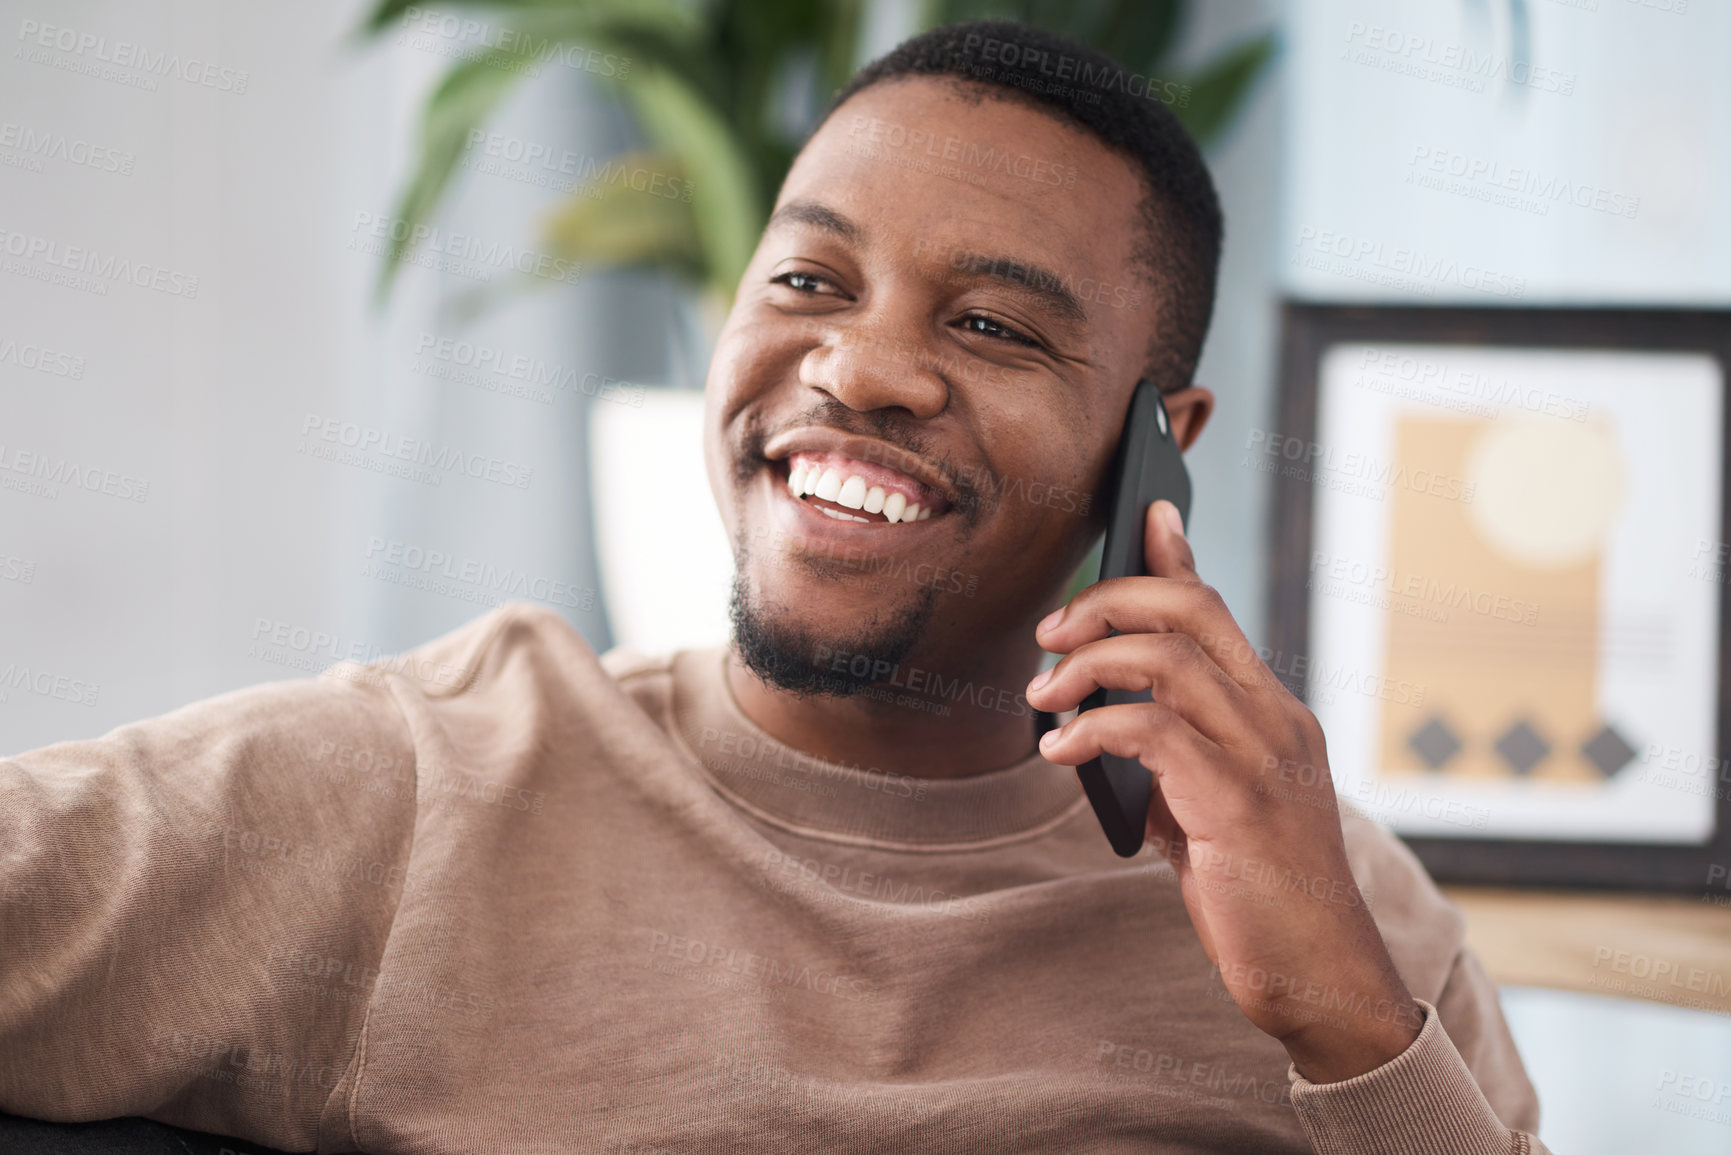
[1625,110]
[253,186]
[1228,524]
[1373,92]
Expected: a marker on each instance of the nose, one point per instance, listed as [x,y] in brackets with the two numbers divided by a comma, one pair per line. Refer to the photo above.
[877,366]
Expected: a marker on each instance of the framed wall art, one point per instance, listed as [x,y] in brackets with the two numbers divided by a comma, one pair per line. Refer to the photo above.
[1501,561]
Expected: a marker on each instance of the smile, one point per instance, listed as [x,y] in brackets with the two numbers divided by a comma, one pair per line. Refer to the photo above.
[850,490]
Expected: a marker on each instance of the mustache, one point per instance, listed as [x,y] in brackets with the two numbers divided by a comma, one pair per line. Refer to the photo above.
[969,486]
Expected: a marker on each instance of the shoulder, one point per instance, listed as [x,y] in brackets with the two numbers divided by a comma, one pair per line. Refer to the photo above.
[634,668]
[1423,929]
[523,652]
[647,680]
[479,650]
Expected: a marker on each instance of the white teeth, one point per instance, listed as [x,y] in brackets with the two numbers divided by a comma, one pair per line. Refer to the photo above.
[839,515]
[852,491]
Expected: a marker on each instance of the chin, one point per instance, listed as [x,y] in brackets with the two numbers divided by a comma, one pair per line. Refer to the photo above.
[821,633]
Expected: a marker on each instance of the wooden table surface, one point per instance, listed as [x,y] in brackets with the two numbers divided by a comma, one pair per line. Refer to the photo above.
[1663,948]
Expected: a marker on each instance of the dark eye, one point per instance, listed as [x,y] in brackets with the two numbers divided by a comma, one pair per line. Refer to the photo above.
[800,282]
[990,328]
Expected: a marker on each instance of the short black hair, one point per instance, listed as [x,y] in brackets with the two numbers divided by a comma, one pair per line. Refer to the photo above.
[1180,247]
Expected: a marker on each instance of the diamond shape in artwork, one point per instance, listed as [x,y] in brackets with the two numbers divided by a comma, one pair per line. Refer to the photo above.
[1608,751]
[1522,748]
[1435,743]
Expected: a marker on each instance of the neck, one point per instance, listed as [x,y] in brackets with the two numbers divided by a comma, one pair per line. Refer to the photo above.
[929,718]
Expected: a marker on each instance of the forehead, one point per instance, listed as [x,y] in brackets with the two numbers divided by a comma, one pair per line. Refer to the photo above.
[925,162]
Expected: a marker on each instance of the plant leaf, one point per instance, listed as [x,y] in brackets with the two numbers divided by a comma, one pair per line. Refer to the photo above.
[466,97]
[725,207]
[612,223]
[589,12]
[472,90]
[1217,91]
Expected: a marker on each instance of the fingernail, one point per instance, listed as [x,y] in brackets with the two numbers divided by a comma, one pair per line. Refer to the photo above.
[1040,679]
[1051,620]
[1169,512]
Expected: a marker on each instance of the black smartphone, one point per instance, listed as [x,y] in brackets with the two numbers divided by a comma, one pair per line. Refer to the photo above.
[1148,466]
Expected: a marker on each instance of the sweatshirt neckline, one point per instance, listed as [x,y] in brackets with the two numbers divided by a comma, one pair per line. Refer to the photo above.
[850,803]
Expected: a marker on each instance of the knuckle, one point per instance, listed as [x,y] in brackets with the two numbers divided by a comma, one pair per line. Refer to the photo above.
[1156,717]
[1208,599]
[1171,651]
[1186,648]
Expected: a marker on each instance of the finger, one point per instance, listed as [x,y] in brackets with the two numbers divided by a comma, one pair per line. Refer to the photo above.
[1165,836]
[1164,546]
[1168,840]
[1201,799]
[1172,666]
[1153,734]
[1154,605]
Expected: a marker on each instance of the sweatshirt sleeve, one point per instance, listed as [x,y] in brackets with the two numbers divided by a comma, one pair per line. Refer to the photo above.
[1424,1101]
[192,908]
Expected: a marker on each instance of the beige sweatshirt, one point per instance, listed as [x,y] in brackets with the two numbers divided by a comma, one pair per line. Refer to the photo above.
[498,895]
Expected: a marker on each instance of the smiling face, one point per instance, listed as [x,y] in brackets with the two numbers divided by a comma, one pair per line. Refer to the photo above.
[934,345]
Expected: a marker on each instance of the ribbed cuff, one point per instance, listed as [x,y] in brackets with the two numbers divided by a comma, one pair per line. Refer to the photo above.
[1424,1101]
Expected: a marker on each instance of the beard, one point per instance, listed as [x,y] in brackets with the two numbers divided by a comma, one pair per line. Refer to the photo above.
[775,646]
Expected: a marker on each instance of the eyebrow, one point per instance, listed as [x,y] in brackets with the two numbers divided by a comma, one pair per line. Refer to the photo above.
[1042,283]
[817,216]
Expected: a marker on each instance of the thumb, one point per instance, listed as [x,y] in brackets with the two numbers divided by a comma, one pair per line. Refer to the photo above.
[1167,551]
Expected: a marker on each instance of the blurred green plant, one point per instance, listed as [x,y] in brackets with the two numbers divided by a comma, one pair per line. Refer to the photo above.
[724,92]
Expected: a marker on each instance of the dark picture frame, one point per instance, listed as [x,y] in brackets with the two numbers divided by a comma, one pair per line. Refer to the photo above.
[1307,332]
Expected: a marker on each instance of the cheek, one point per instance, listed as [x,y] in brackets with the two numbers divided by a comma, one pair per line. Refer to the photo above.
[717,461]
[1045,482]
[752,359]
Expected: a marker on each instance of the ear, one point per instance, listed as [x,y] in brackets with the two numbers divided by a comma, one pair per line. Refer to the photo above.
[1188,409]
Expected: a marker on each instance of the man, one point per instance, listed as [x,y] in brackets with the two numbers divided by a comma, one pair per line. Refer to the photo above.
[819,892]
